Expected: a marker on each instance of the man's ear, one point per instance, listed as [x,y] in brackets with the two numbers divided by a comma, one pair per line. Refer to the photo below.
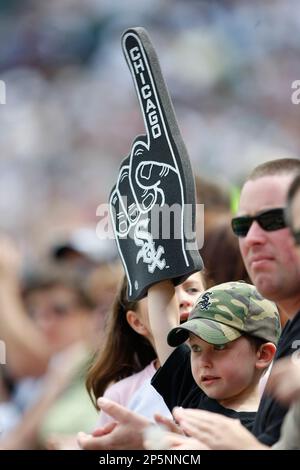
[265,355]
[136,323]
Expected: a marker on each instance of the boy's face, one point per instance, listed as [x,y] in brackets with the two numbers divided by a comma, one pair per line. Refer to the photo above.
[226,371]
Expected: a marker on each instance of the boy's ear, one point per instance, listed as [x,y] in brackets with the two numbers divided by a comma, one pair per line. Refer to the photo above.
[265,355]
[135,323]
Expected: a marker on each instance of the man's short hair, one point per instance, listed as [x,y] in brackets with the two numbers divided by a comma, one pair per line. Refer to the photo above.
[275,167]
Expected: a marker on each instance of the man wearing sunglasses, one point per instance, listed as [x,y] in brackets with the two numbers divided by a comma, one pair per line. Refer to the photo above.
[266,244]
[269,254]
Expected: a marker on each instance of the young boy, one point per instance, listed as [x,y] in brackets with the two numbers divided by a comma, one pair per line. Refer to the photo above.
[232,334]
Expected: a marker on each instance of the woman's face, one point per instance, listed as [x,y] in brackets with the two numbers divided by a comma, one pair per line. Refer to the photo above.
[187,293]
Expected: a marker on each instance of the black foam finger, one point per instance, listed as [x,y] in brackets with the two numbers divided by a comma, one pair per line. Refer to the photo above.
[166,146]
[159,240]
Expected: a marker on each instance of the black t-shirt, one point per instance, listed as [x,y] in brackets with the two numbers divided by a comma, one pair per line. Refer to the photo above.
[270,414]
[175,383]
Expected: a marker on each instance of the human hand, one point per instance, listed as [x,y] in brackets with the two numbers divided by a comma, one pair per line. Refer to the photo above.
[215,431]
[168,424]
[158,438]
[284,380]
[126,432]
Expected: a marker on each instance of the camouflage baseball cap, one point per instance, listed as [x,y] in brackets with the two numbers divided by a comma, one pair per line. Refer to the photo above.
[227,311]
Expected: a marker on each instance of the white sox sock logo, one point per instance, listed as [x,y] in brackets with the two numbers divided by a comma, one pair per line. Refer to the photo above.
[204,301]
[148,253]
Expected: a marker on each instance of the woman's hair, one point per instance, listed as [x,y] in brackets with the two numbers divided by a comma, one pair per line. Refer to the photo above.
[221,256]
[124,351]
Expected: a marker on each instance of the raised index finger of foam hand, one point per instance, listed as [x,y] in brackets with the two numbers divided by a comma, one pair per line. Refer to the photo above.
[165,144]
[152,92]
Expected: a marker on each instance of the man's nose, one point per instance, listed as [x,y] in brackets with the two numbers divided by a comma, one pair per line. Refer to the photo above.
[255,234]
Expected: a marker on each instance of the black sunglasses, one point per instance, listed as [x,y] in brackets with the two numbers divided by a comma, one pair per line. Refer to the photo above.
[269,220]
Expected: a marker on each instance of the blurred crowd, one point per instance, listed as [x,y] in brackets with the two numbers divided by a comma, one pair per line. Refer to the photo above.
[70,118]
[72,113]
[51,321]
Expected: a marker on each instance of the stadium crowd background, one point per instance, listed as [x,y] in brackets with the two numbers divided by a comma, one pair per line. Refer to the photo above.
[71,111]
